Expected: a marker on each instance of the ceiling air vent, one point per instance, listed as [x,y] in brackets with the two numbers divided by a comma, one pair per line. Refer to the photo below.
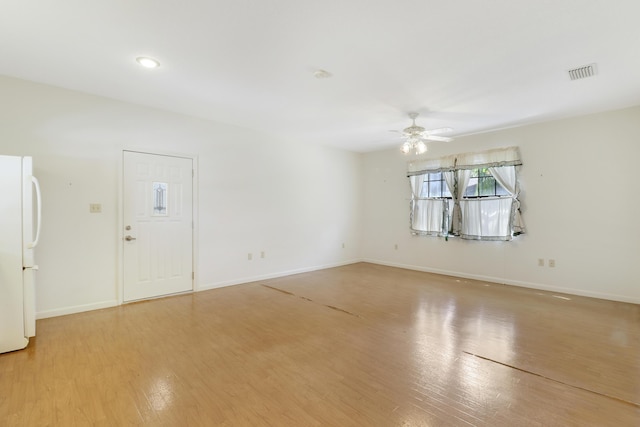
[583,72]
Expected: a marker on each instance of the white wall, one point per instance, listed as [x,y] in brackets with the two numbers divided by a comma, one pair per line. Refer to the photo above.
[297,202]
[300,202]
[579,183]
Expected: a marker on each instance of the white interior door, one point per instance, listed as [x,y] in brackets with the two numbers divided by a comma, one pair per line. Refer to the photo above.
[158,225]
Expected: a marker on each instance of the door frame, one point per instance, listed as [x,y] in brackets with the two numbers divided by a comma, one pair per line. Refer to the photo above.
[120,222]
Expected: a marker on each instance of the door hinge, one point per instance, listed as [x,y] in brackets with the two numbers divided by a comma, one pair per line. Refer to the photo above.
[193,173]
[193,275]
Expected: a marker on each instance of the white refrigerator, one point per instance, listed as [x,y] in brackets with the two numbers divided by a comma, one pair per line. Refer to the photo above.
[19,234]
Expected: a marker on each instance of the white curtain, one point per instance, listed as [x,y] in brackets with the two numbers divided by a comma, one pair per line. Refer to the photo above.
[453,214]
[427,215]
[416,190]
[486,219]
[506,176]
[457,182]
[416,185]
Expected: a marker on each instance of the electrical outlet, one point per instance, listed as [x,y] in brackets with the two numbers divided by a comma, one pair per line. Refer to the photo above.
[395,246]
[552,263]
[249,256]
[540,262]
[262,254]
[343,246]
[95,208]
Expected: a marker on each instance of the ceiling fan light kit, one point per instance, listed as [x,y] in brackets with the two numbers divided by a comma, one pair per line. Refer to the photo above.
[416,137]
[417,146]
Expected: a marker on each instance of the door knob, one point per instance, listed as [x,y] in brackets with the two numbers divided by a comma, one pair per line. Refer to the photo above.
[129,238]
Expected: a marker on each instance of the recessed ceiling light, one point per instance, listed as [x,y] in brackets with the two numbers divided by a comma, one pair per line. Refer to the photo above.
[147,62]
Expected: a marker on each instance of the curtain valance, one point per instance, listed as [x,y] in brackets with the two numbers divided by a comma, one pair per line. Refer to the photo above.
[509,156]
[422,166]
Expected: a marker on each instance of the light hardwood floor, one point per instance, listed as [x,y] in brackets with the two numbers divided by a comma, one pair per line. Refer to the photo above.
[360,345]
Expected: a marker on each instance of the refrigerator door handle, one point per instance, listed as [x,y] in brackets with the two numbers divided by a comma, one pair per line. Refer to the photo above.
[36,184]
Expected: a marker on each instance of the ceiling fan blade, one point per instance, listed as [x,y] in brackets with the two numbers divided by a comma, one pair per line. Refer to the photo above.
[439,130]
[437,138]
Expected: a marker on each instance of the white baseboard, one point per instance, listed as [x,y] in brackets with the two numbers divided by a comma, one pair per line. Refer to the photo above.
[76,309]
[250,279]
[113,303]
[502,281]
[540,286]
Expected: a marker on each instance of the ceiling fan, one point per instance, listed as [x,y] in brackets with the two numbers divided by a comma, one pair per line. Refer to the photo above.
[416,136]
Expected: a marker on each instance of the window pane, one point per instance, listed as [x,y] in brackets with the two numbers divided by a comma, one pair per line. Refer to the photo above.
[434,186]
[160,198]
[487,186]
[472,188]
[435,189]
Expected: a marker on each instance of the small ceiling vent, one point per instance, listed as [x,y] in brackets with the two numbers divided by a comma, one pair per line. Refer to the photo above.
[583,72]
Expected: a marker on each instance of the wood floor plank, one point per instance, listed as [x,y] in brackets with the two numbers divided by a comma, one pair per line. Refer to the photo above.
[359,345]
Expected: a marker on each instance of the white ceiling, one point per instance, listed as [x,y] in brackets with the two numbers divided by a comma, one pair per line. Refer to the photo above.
[466,64]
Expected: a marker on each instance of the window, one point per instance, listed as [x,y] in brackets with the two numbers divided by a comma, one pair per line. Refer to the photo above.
[431,204]
[470,195]
[483,184]
[434,186]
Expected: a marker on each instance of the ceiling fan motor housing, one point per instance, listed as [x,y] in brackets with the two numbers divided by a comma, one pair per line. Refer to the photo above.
[417,135]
